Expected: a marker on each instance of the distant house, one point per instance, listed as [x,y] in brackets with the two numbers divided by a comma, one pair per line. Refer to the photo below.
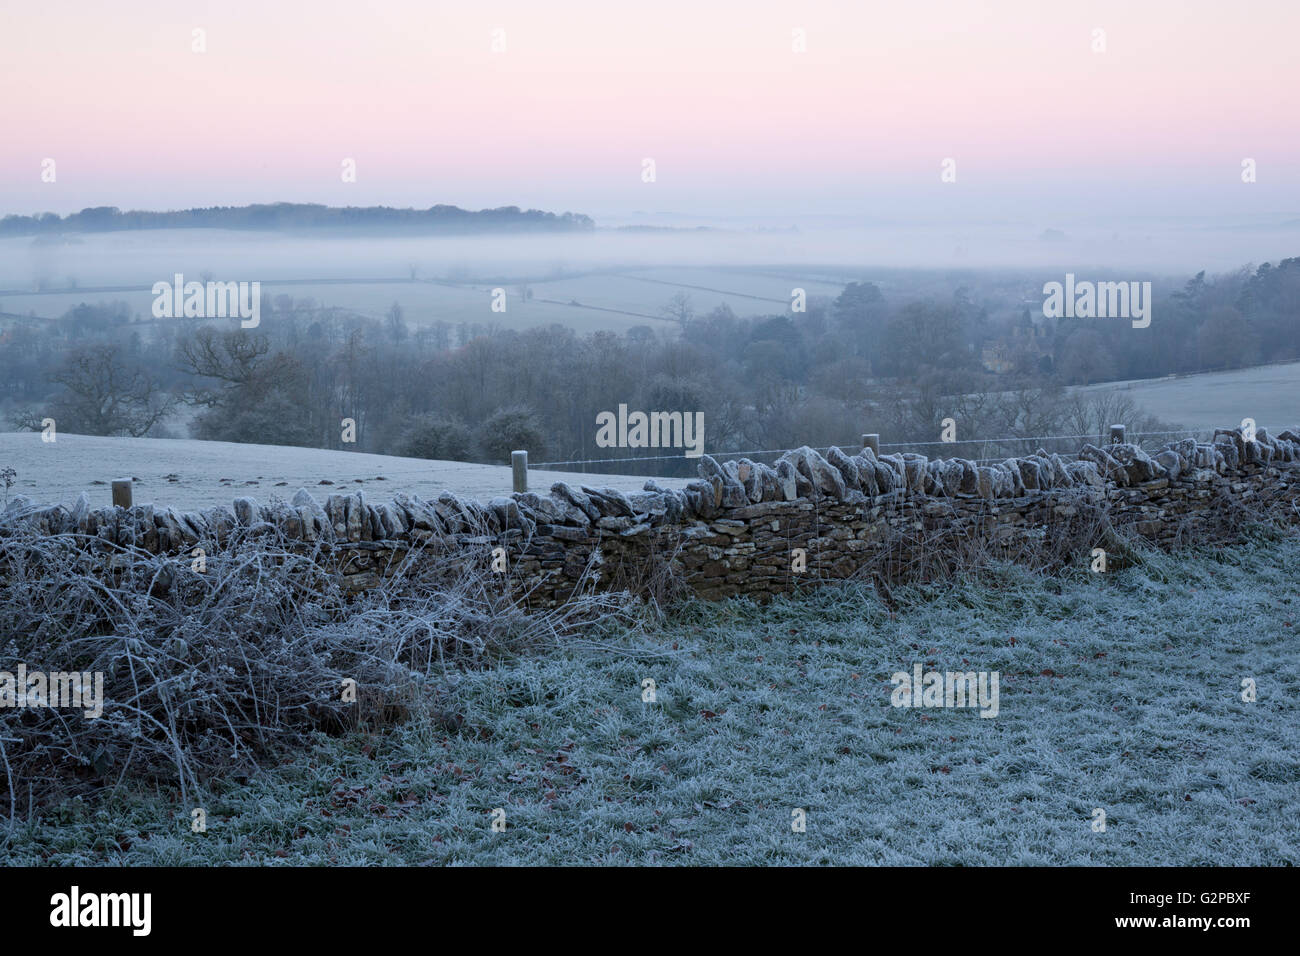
[996,358]
[1023,344]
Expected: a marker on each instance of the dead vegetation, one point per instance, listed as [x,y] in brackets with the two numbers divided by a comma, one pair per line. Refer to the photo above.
[206,671]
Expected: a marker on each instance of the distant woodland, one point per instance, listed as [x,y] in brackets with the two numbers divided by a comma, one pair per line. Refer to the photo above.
[286,216]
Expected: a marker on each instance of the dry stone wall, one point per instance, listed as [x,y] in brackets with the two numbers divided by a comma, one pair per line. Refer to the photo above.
[740,527]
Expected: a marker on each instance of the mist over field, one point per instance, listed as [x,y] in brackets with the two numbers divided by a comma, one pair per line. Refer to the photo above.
[1166,247]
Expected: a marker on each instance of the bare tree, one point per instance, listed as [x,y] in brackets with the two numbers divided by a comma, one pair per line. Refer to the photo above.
[106,393]
[233,358]
[679,309]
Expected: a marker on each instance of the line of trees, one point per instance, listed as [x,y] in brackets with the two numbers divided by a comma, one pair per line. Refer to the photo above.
[284,215]
[855,363]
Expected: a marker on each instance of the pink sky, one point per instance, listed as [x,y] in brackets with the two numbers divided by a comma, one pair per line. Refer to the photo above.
[712,91]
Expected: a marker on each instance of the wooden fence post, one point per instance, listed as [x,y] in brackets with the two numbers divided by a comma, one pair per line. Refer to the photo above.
[872,441]
[122,493]
[519,462]
[1117,434]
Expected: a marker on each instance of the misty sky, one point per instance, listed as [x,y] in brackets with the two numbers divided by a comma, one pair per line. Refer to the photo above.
[739,125]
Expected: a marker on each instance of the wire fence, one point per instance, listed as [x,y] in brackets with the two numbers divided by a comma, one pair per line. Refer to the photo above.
[988,450]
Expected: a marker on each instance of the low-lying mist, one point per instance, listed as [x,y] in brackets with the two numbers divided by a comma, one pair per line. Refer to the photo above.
[87,260]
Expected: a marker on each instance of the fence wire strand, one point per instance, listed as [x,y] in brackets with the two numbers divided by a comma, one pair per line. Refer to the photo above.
[910,444]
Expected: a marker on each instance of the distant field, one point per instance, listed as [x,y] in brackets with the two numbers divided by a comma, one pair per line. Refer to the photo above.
[1269,394]
[198,474]
[586,303]
[647,290]
[422,303]
[605,274]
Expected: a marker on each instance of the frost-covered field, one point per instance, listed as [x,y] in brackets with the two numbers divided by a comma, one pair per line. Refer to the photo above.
[1269,394]
[603,273]
[422,303]
[193,474]
[1120,692]
[647,290]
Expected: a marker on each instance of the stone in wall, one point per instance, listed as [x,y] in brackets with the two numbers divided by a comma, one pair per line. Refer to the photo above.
[820,477]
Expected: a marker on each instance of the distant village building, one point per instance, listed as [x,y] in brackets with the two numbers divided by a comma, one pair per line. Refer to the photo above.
[1025,343]
[996,358]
